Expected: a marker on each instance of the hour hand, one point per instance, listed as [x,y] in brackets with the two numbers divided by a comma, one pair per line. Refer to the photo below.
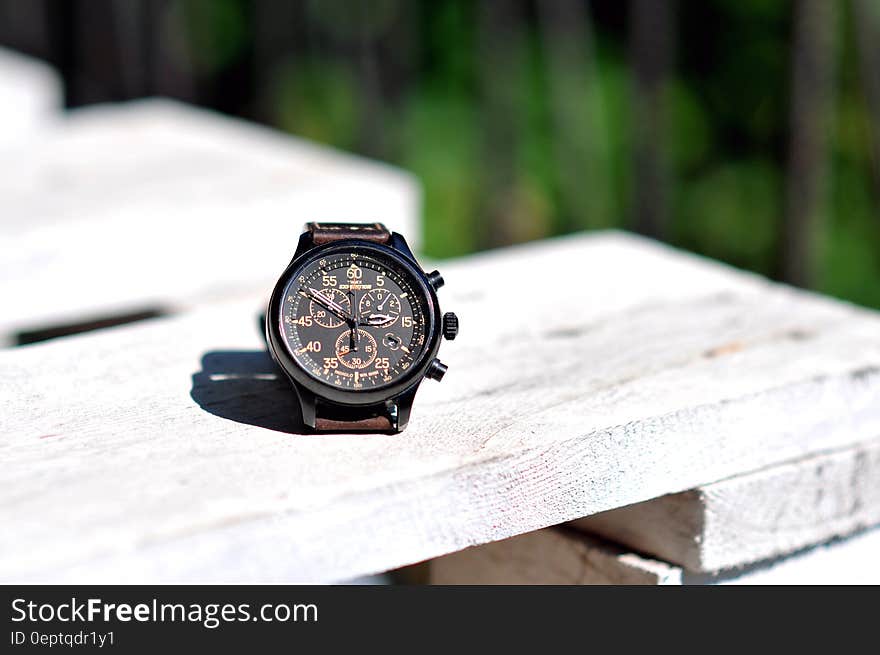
[378,319]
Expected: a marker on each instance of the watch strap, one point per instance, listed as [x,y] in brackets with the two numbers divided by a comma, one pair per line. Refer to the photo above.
[329,232]
[370,424]
[350,419]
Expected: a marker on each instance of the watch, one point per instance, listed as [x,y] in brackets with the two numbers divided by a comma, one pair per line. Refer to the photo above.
[355,324]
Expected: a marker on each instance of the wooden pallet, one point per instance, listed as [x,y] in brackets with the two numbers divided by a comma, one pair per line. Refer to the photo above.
[695,413]
[170,450]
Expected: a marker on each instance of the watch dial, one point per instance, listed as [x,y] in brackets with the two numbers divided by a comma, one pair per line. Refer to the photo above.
[354,320]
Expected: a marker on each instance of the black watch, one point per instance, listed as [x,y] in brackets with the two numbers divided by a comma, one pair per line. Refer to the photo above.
[355,324]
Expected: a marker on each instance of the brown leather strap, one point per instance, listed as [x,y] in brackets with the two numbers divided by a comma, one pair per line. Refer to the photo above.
[372,424]
[329,232]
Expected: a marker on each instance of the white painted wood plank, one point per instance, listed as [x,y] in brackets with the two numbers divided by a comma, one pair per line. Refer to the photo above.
[550,557]
[756,516]
[31,97]
[850,561]
[163,451]
[156,205]
[561,556]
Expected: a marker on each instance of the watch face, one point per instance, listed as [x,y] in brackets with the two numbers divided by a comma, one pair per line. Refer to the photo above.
[354,319]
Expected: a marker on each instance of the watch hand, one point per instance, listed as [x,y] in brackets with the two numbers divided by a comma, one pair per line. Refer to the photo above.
[355,320]
[325,302]
[378,319]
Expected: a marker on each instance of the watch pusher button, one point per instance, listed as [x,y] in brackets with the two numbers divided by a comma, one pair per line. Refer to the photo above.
[435,279]
[436,370]
[450,326]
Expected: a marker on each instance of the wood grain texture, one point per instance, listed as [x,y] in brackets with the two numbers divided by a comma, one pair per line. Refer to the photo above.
[169,450]
[755,516]
[550,557]
[30,99]
[153,205]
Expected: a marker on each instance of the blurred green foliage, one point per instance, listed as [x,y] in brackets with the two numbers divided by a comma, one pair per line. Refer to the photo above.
[542,137]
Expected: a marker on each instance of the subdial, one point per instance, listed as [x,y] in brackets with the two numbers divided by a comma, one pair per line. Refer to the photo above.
[323,316]
[392,341]
[379,308]
[358,355]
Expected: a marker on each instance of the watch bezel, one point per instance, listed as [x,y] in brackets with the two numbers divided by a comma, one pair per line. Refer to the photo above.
[352,397]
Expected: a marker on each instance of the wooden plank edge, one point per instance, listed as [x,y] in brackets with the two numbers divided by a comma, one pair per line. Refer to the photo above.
[755,516]
[474,501]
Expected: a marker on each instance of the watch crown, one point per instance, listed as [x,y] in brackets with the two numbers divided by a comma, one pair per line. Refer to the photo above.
[450,326]
[435,279]
[436,370]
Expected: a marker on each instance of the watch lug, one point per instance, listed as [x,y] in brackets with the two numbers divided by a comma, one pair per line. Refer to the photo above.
[404,403]
[307,402]
[400,245]
[305,243]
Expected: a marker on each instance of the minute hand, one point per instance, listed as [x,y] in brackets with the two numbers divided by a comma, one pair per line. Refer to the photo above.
[337,310]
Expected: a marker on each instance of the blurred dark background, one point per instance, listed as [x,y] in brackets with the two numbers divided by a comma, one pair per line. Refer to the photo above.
[746,130]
